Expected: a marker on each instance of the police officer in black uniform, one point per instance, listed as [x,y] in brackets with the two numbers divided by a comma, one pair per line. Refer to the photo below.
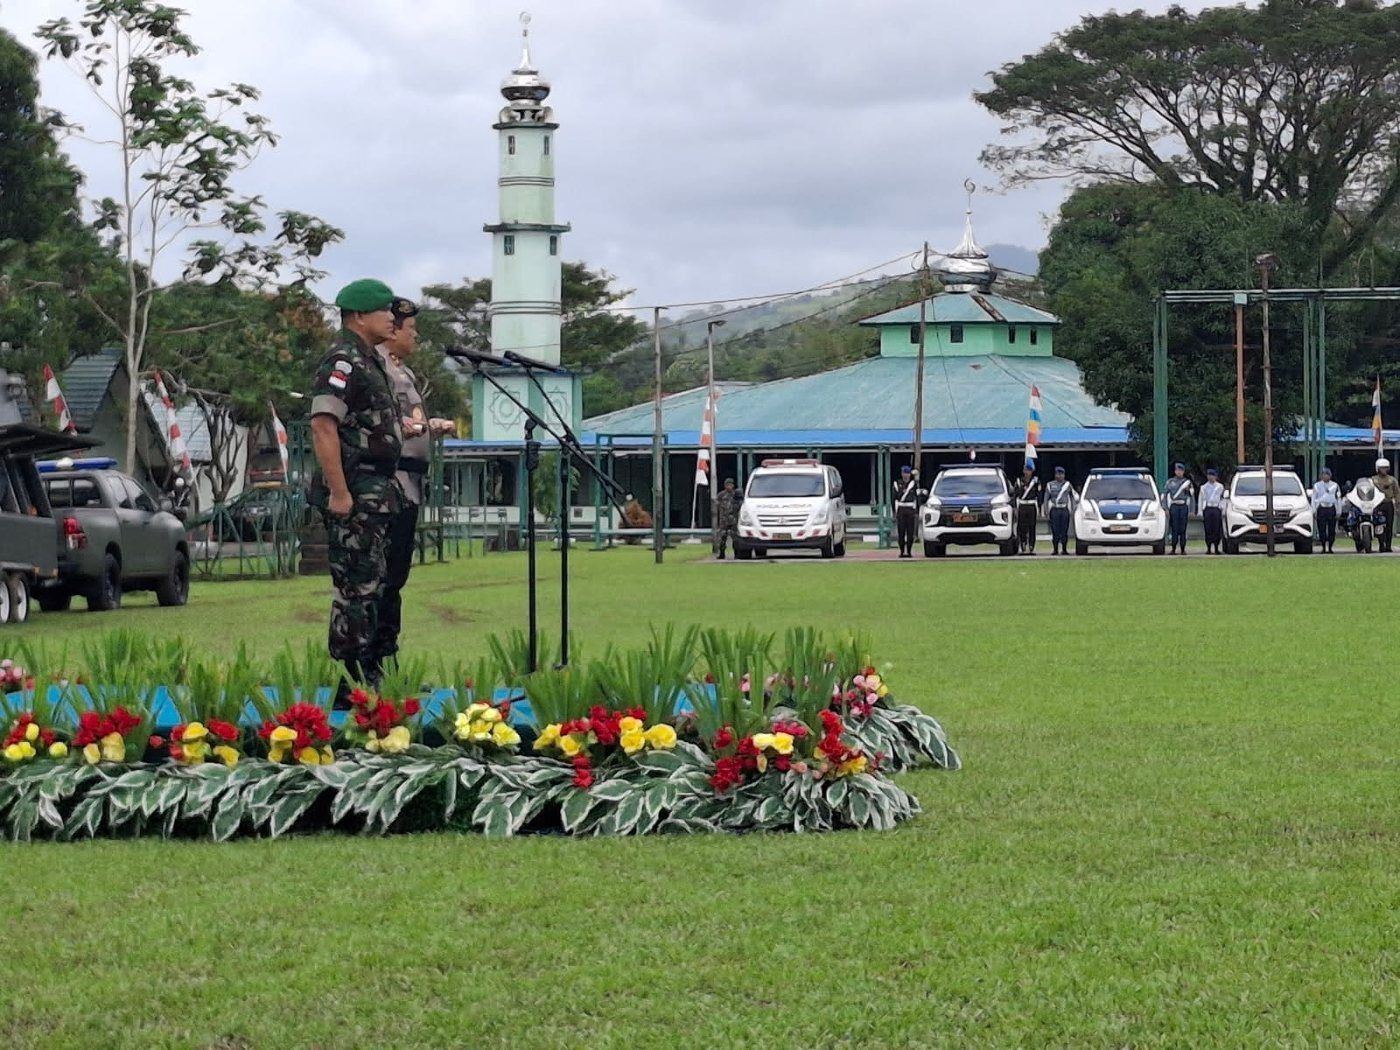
[906,510]
[1027,500]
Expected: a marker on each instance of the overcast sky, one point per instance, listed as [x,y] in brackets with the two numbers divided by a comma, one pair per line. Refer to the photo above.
[707,148]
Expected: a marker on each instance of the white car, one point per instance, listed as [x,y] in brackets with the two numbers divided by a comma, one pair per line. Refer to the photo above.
[792,504]
[1120,507]
[968,505]
[1246,517]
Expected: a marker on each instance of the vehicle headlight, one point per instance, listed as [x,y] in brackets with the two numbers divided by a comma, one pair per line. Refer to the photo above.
[746,515]
[817,517]
[1001,501]
[1091,512]
[934,502]
[1149,510]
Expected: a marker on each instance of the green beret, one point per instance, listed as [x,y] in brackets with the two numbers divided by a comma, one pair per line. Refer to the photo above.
[403,308]
[365,296]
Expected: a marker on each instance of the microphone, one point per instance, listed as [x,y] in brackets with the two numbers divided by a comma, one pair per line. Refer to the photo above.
[476,357]
[530,362]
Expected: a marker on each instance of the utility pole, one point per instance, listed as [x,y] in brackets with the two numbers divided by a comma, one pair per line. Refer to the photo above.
[658,437]
[923,285]
[714,431]
[1267,263]
[1240,299]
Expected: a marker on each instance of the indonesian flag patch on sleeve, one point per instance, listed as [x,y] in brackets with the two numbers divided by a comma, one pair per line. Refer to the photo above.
[340,374]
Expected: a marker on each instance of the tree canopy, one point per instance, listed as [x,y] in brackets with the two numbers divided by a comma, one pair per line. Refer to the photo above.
[1294,101]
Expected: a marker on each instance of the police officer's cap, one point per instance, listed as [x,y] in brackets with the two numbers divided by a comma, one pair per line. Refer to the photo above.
[1180,466]
[365,296]
[1059,470]
[906,469]
[1211,472]
[1327,471]
[403,308]
[730,481]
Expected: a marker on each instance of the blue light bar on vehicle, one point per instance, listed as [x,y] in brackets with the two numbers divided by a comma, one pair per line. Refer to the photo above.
[50,466]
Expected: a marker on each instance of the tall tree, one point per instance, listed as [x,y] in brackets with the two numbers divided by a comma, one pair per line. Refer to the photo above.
[1292,101]
[177,151]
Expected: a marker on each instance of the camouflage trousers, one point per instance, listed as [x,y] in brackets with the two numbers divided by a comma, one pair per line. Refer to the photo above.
[357,549]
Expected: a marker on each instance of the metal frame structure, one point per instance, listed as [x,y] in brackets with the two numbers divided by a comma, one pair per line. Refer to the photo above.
[1314,302]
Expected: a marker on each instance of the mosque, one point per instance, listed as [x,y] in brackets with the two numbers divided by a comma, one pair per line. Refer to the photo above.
[983,353]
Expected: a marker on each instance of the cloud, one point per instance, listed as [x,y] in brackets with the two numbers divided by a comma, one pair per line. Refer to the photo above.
[706,149]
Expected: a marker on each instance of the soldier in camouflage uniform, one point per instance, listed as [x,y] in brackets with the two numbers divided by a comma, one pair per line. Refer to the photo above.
[726,516]
[357,437]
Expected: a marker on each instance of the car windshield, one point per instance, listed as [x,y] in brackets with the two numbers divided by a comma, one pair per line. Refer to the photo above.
[1253,485]
[1125,488]
[968,486]
[779,486]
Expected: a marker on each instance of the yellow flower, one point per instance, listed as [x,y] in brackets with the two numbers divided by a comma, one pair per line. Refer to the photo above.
[31,732]
[282,733]
[113,748]
[763,741]
[373,744]
[570,745]
[818,754]
[634,741]
[504,735]
[194,752]
[548,738]
[490,715]
[762,761]
[851,766]
[461,723]
[58,749]
[481,732]
[93,754]
[396,743]
[278,752]
[27,749]
[782,743]
[475,709]
[14,754]
[194,731]
[872,683]
[661,736]
[883,691]
[629,724]
[327,755]
[227,755]
[308,756]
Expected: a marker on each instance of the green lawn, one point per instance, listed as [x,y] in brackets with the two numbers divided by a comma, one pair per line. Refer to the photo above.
[1175,826]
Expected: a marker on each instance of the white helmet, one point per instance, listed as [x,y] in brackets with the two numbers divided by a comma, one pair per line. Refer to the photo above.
[1382,462]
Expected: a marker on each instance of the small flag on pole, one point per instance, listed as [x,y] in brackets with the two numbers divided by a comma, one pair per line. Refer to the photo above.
[60,406]
[175,441]
[707,441]
[1033,428]
[281,433]
[1376,431]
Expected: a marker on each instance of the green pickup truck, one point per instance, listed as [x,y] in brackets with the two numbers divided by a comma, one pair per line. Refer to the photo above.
[113,538]
[29,542]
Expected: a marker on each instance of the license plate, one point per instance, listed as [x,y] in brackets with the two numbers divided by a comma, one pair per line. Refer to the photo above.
[782,535]
[964,519]
[1119,528]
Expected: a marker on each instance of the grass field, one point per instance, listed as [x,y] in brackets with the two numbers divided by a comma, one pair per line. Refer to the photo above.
[1176,826]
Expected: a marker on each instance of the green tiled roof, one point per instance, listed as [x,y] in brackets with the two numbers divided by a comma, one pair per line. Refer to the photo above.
[965,308]
[989,392]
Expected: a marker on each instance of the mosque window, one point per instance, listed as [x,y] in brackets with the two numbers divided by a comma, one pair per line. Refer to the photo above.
[510,145]
[955,333]
[553,244]
[1011,333]
[509,246]
[1035,336]
[914,333]
[546,145]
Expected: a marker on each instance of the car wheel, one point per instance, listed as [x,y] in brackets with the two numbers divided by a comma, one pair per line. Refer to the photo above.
[743,553]
[1008,548]
[1302,546]
[841,549]
[4,604]
[17,588]
[1230,546]
[934,550]
[107,592]
[54,601]
[760,552]
[175,588]
[1160,548]
[828,549]
[1080,549]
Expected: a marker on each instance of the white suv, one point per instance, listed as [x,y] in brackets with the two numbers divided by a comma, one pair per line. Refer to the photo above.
[1120,507]
[792,504]
[968,505]
[1246,517]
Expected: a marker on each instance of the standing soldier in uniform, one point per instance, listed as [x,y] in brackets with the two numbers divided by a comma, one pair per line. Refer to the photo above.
[1060,498]
[418,432]
[1027,499]
[356,436]
[1213,511]
[1326,501]
[1178,500]
[906,510]
[1386,485]
[726,516]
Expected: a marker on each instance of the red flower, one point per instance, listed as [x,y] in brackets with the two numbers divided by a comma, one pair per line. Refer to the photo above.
[177,753]
[358,698]
[411,708]
[47,737]
[361,719]
[178,733]
[728,772]
[222,730]
[583,772]
[638,712]
[723,738]
[158,742]
[782,763]
[505,709]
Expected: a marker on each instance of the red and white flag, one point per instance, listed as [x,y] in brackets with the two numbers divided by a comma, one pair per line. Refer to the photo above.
[175,441]
[1377,431]
[707,440]
[281,433]
[60,406]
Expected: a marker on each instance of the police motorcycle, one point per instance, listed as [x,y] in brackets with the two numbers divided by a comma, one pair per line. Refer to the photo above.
[1364,518]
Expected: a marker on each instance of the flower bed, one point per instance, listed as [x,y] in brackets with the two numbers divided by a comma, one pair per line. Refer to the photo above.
[681,742]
